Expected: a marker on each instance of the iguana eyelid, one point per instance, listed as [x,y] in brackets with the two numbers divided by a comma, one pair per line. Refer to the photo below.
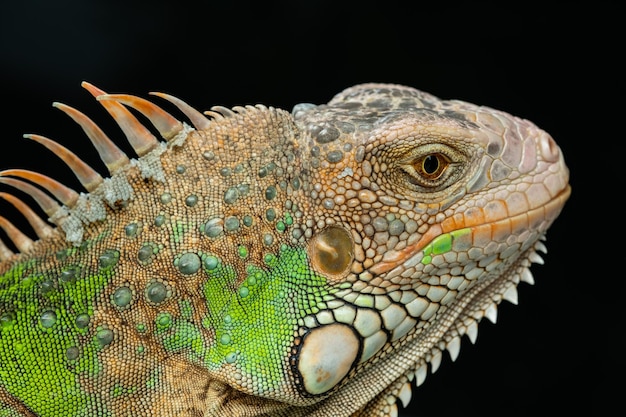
[455,164]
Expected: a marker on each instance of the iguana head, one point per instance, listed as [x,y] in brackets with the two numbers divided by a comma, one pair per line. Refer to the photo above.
[444,204]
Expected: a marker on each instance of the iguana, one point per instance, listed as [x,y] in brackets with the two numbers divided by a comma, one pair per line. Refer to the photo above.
[259,262]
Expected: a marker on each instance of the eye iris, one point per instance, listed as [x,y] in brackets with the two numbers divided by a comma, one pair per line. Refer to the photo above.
[432,166]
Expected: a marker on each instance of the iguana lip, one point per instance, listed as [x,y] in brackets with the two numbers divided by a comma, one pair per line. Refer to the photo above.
[529,219]
[484,229]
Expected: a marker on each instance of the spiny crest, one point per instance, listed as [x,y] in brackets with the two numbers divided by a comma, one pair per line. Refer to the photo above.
[70,210]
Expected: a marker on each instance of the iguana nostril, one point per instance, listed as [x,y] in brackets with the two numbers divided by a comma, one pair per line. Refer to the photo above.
[548,148]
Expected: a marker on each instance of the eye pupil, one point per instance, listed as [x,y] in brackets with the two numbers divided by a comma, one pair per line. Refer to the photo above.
[430,164]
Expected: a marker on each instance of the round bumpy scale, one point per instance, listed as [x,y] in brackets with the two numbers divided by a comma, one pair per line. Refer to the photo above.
[166,198]
[104,337]
[68,276]
[146,253]
[71,353]
[210,262]
[7,320]
[231,224]
[159,220]
[157,292]
[191,200]
[131,229]
[109,258]
[82,321]
[231,195]
[214,227]
[122,296]
[48,319]
[189,263]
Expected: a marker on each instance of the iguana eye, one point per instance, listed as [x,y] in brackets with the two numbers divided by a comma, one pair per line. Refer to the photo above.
[431,166]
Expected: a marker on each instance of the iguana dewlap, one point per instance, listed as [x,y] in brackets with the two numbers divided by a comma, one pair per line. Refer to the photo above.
[261,262]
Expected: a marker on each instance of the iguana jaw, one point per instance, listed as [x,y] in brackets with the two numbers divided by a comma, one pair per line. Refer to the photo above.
[409,361]
[535,220]
[391,379]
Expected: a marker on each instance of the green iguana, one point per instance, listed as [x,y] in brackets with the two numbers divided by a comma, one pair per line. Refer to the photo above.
[264,263]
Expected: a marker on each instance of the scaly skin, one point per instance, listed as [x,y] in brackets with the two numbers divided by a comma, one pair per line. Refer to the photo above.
[310,263]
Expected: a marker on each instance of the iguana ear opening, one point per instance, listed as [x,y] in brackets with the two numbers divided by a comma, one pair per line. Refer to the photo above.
[331,252]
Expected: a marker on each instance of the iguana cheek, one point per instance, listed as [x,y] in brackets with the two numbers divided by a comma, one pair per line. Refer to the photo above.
[326,356]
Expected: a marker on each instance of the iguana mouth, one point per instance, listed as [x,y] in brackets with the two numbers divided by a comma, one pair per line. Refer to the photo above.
[481,228]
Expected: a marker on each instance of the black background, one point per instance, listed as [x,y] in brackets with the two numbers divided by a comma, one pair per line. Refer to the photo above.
[562,348]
